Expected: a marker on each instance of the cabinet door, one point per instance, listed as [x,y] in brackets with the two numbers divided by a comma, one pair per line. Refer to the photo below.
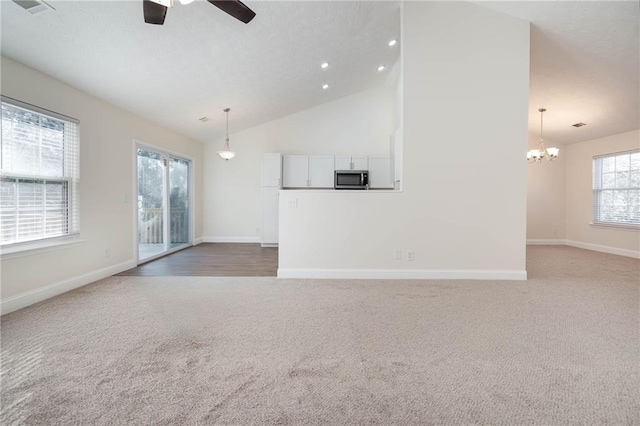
[321,168]
[360,163]
[343,163]
[397,159]
[380,175]
[271,170]
[270,215]
[295,171]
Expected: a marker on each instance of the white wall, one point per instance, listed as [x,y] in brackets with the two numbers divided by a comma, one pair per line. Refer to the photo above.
[463,208]
[546,212]
[359,124]
[579,197]
[106,176]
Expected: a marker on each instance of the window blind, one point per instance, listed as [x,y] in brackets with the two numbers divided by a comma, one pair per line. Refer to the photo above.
[39,160]
[616,188]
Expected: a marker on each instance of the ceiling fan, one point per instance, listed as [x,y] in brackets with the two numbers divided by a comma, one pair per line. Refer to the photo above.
[156,10]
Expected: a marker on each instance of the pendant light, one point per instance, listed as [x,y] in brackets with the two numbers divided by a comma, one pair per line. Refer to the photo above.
[226,153]
[536,155]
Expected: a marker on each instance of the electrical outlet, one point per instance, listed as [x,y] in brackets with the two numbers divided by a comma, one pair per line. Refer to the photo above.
[410,255]
[397,254]
[107,252]
[257,229]
[554,231]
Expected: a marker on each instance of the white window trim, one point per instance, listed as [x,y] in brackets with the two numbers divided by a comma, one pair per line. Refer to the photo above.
[29,248]
[618,225]
[623,226]
[26,248]
[39,110]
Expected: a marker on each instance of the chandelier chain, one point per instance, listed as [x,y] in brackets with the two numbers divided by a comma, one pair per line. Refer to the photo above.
[536,155]
[541,126]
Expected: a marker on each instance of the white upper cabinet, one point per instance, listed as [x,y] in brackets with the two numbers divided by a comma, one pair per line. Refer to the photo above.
[343,163]
[351,163]
[321,168]
[295,171]
[271,170]
[359,163]
[397,159]
[308,171]
[380,173]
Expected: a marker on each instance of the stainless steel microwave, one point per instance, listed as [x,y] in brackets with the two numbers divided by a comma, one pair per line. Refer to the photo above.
[351,179]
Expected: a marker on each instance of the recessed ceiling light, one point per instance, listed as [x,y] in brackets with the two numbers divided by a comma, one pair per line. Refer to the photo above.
[579,124]
[204,119]
[392,43]
[324,65]
[325,87]
[381,68]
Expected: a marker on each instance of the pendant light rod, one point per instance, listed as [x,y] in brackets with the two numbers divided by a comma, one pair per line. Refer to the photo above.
[226,154]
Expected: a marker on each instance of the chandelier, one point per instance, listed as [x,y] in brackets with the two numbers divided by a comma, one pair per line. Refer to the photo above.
[536,155]
[226,153]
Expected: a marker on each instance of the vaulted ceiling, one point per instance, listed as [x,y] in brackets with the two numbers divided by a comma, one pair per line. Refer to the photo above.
[585,66]
[203,60]
[584,59]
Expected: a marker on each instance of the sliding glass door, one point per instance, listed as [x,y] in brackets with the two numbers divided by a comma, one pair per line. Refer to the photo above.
[178,202]
[163,203]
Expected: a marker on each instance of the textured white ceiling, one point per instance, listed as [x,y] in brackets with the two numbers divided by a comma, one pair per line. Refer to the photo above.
[584,59]
[584,66]
[202,60]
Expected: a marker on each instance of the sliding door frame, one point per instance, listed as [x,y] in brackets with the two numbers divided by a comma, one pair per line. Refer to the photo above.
[138,144]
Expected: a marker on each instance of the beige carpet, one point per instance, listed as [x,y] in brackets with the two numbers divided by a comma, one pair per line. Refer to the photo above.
[561,348]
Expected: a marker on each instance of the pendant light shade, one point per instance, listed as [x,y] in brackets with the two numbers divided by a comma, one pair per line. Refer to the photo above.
[226,153]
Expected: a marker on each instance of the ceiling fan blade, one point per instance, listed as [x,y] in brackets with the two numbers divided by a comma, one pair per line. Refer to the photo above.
[154,13]
[235,8]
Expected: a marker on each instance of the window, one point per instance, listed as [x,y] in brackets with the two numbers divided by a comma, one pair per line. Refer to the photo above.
[616,188]
[39,158]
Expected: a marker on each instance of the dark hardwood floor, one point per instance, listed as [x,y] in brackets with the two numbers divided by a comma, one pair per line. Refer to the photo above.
[214,260]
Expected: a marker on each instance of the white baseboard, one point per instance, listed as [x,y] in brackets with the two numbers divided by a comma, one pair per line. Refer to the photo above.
[38,295]
[605,249]
[197,241]
[546,242]
[231,239]
[269,245]
[404,274]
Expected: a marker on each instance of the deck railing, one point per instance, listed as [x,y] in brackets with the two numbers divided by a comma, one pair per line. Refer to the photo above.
[151,230]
